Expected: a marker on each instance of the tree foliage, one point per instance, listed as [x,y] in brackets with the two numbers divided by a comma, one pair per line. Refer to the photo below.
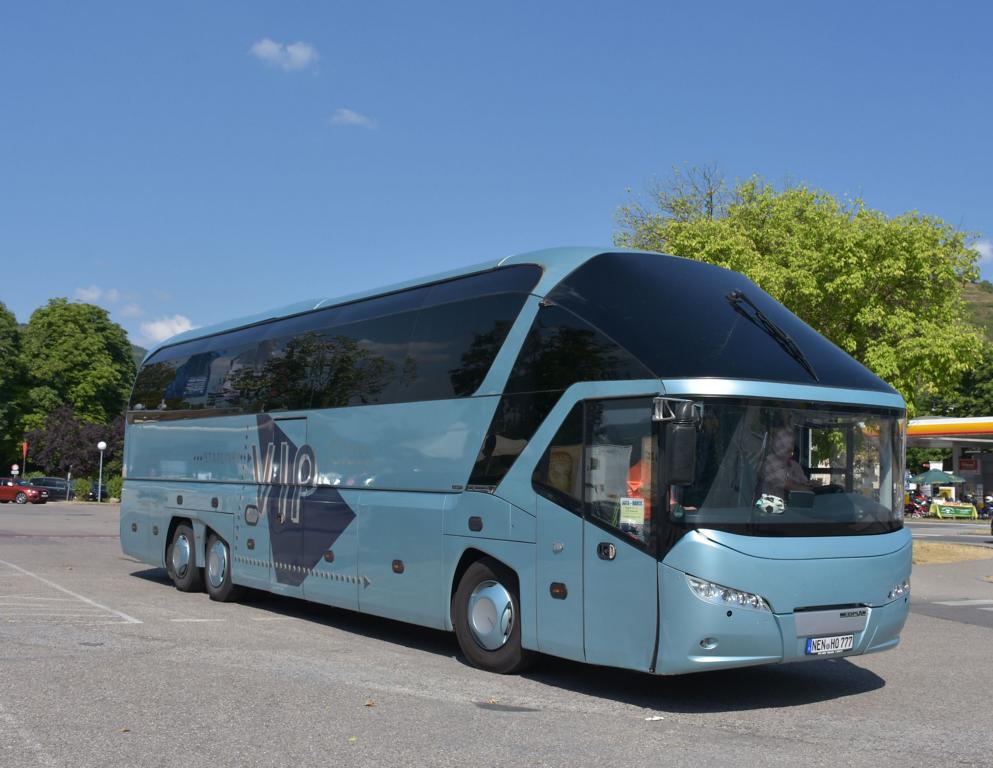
[66,443]
[73,354]
[887,290]
[972,395]
[11,382]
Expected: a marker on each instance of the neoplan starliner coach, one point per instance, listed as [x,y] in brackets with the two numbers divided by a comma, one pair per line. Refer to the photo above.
[617,457]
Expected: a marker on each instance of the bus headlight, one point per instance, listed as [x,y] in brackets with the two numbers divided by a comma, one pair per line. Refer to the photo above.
[725,596]
[901,589]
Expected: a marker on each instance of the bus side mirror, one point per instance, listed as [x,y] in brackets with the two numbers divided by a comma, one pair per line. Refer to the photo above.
[680,420]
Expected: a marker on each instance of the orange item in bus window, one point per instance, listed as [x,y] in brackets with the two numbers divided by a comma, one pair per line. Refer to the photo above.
[640,484]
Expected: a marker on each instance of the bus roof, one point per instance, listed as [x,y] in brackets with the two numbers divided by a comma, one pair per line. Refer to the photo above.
[556,263]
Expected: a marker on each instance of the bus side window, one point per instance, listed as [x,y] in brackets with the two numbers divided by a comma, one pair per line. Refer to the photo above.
[559,474]
[620,466]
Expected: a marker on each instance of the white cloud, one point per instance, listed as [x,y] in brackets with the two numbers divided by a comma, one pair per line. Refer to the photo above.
[297,55]
[164,327]
[985,248]
[89,294]
[131,310]
[93,294]
[345,116]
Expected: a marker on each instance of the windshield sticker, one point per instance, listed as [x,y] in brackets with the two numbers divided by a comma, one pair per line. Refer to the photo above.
[632,510]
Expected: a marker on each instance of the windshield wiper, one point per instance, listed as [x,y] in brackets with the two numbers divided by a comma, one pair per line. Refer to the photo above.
[737,298]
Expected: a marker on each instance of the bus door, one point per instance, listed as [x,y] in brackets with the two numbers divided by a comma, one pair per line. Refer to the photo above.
[620,585]
[558,479]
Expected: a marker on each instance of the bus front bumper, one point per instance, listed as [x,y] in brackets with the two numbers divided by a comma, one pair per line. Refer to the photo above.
[710,637]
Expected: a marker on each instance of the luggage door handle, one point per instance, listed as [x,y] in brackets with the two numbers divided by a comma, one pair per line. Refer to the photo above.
[606,551]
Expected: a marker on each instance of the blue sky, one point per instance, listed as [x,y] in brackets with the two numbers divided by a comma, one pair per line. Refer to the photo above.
[182,163]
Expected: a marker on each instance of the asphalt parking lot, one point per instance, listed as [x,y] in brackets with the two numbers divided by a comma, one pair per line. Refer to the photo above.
[103,663]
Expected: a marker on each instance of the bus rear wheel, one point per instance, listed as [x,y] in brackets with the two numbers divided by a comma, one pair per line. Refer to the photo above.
[181,560]
[218,570]
[486,614]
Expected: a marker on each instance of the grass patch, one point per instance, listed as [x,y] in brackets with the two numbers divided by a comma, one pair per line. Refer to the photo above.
[979,301]
[937,552]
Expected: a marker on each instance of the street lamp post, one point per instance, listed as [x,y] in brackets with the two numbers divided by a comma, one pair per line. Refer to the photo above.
[101,446]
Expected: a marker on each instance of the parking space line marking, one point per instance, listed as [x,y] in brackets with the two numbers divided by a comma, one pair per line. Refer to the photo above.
[958,603]
[68,612]
[197,620]
[36,597]
[120,614]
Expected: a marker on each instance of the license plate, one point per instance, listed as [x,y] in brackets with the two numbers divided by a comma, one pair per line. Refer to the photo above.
[817,646]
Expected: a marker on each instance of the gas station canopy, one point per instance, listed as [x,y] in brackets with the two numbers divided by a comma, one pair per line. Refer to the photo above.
[951,432]
[971,442]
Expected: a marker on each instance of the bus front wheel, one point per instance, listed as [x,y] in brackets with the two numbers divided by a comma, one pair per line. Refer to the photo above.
[181,560]
[486,613]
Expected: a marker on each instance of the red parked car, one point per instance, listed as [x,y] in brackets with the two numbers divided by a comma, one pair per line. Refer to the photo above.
[12,490]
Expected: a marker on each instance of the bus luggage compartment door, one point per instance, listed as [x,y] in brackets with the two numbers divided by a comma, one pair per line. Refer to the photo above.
[401,556]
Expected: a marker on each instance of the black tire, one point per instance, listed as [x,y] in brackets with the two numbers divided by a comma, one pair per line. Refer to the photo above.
[224,591]
[21,497]
[191,579]
[511,657]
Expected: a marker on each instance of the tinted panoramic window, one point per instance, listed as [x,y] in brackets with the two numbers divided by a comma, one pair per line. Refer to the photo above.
[559,474]
[361,363]
[516,419]
[561,349]
[676,317]
[454,345]
[428,342]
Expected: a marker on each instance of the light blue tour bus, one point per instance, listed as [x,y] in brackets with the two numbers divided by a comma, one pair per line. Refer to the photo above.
[612,456]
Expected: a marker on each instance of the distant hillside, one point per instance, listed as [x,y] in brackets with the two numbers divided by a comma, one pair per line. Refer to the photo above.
[979,300]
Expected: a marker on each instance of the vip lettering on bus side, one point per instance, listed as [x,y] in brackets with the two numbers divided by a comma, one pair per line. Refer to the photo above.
[302,476]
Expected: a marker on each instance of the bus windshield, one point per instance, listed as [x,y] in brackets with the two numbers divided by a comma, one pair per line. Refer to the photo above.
[772,468]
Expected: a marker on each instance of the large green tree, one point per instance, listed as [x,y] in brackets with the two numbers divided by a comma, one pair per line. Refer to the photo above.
[886,289]
[11,383]
[73,354]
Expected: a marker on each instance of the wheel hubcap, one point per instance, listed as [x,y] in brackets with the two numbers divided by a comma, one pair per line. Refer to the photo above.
[181,555]
[217,563]
[491,615]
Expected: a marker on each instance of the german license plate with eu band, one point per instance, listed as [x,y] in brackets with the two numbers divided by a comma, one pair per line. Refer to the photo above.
[818,646]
